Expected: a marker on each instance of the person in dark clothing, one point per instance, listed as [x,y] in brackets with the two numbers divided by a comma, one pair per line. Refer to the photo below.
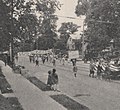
[107,73]
[8,59]
[92,69]
[54,79]
[47,58]
[73,61]
[75,70]
[37,62]
[33,58]
[16,57]
[43,59]
[5,59]
[99,70]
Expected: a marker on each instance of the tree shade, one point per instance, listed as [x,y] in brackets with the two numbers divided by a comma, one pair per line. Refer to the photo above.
[102,20]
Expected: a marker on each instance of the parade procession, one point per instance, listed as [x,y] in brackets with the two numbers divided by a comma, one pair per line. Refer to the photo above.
[59,54]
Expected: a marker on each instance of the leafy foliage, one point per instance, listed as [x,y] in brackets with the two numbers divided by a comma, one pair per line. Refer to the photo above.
[16,21]
[102,20]
[60,44]
[47,22]
[45,43]
[5,27]
[19,20]
[82,7]
[66,29]
[69,27]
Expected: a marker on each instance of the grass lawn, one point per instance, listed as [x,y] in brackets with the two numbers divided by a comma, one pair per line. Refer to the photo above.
[10,103]
[62,99]
[4,85]
[15,103]
[4,104]
[68,103]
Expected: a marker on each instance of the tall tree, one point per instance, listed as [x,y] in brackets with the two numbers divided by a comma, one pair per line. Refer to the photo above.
[66,30]
[5,24]
[47,21]
[102,20]
[18,21]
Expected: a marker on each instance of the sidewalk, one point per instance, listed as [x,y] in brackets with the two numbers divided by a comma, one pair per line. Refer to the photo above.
[30,97]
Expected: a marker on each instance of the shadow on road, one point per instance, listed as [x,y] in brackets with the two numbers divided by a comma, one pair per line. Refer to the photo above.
[79,95]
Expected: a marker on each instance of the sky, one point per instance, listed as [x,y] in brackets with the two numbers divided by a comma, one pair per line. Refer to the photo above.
[68,10]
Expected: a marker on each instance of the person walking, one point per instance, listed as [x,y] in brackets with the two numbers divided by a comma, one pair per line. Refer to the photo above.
[73,61]
[47,57]
[30,58]
[33,58]
[37,61]
[16,57]
[54,62]
[99,70]
[43,59]
[50,58]
[92,68]
[75,69]
[5,59]
[63,60]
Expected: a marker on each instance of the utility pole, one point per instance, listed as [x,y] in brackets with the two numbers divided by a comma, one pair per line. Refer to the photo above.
[12,35]
[83,41]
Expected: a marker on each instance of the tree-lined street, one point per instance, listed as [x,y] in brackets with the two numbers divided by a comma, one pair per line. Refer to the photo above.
[75,43]
[93,93]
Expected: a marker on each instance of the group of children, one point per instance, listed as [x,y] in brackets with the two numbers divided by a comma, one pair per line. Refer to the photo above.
[52,81]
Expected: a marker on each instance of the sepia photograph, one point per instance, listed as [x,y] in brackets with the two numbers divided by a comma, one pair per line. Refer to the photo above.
[59,54]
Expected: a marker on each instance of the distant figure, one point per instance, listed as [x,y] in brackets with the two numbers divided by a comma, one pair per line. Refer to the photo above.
[50,58]
[37,61]
[47,58]
[92,69]
[75,69]
[30,59]
[8,59]
[63,60]
[99,70]
[33,58]
[43,59]
[73,61]
[5,59]
[107,73]
[54,62]
[16,57]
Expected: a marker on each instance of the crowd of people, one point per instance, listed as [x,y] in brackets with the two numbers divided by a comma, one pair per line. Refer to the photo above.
[47,58]
[104,69]
[37,58]
[52,80]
